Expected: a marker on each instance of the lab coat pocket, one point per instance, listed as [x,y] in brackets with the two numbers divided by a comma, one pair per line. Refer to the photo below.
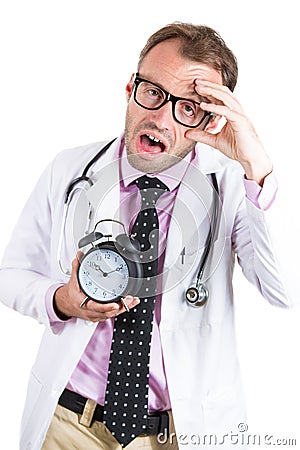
[196,262]
[33,392]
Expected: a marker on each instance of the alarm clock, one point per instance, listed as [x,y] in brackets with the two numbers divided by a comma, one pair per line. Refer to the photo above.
[110,269]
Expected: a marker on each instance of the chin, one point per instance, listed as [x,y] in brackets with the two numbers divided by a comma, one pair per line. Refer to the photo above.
[156,164]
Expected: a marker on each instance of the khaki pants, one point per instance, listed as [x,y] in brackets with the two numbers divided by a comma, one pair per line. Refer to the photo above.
[67,432]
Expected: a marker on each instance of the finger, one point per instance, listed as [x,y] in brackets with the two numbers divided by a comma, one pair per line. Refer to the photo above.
[76,261]
[128,302]
[79,256]
[103,308]
[218,93]
[222,110]
[201,136]
[75,264]
[73,278]
[97,312]
[102,312]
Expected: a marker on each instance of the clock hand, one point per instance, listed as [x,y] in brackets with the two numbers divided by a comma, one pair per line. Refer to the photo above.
[116,270]
[98,269]
[110,291]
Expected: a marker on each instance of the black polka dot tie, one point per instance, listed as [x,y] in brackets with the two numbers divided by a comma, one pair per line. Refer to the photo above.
[126,401]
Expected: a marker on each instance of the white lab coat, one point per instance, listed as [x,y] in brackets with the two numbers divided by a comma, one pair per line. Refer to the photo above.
[199,345]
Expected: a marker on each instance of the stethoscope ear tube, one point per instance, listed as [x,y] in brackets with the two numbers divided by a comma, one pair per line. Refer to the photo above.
[84,176]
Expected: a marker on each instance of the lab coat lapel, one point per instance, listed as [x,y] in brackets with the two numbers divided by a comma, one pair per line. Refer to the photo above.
[190,221]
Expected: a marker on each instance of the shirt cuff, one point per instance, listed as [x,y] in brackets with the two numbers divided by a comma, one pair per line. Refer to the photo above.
[262,196]
[49,304]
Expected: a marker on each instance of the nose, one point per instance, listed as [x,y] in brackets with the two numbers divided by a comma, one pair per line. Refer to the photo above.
[163,116]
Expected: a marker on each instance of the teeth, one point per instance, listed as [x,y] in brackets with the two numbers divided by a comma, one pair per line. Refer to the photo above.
[153,138]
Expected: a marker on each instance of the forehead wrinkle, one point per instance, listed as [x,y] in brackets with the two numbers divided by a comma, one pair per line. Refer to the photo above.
[177,74]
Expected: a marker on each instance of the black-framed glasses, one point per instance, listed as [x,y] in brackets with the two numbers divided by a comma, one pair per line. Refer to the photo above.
[187,112]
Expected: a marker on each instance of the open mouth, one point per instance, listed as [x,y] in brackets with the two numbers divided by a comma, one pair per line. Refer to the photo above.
[151,144]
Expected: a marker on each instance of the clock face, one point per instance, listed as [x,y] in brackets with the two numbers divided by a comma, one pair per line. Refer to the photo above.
[103,275]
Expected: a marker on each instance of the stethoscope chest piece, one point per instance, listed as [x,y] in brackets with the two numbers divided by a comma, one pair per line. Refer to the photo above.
[197,296]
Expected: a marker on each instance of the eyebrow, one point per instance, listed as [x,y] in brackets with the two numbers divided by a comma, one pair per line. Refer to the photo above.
[190,93]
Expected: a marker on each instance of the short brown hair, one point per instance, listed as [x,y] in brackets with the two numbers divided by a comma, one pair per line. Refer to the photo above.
[201,44]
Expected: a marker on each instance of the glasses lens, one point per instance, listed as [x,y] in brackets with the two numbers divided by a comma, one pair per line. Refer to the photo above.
[149,96]
[188,113]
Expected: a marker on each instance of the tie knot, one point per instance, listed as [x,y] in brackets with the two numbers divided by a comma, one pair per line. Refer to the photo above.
[151,188]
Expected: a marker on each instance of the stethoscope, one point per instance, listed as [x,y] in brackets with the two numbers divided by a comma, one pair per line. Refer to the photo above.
[78,184]
[197,294]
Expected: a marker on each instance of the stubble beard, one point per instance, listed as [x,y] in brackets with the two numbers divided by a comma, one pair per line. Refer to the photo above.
[161,162]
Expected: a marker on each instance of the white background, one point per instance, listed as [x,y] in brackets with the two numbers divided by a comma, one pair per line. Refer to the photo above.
[64,66]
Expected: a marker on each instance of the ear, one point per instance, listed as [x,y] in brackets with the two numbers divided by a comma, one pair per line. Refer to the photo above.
[129,87]
[215,124]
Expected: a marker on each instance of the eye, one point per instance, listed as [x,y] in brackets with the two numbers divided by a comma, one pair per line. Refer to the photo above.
[154,92]
[149,95]
[188,109]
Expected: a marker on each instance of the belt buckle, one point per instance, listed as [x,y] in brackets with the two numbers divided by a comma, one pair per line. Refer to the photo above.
[158,423]
[164,427]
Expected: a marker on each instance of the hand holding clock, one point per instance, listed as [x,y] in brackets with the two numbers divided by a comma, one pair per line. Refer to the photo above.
[67,300]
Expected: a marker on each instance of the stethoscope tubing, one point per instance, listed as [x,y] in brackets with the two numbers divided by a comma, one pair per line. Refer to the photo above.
[74,185]
[212,229]
[84,176]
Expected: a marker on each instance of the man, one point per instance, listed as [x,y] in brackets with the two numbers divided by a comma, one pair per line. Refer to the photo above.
[182,94]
